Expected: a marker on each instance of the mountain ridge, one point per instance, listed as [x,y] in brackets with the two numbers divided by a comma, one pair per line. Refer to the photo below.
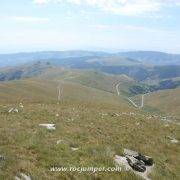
[150,57]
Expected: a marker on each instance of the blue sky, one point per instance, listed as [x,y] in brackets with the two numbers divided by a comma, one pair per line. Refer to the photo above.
[110,25]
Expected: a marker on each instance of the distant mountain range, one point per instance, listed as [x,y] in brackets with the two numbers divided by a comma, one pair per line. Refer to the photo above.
[152,70]
[22,58]
[153,57]
[82,57]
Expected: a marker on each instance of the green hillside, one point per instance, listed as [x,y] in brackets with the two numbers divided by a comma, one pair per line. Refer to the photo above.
[166,101]
[97,123]
[41,90]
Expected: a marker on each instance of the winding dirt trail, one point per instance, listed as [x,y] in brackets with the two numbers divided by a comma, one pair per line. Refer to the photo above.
[130,100]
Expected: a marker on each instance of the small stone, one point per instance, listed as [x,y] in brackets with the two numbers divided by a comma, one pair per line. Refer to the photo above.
[104,114]
[13,110]
[74,149]
[174,141]
[26,177]
[22,176]
[49,126]
[59,141]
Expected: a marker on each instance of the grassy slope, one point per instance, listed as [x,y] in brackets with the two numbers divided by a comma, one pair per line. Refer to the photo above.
[89,78]
[28,90]
[41,90]
[100,80]
[167,101]
[31,149]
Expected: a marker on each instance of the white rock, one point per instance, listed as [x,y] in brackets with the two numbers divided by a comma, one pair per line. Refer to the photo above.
[132,113]
[22,176]
[48,126]
[26,177]
[13,110]
[16,110]
[149,117]
[70,119]
[120,160]
[74,149]
[174,140]
[21,105]
[59,141]
[104,114]
[10,110]
[51,128]
[17,178]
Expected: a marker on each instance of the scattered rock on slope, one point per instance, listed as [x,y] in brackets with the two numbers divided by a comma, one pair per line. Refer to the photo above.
[13,110]
[22,176]
[48,126]
[173,140]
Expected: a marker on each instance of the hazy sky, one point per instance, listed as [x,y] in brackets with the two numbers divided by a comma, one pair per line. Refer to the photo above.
[30,25]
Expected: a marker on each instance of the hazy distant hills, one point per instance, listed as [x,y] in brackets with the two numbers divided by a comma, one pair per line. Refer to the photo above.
[144,73]
[23,71]
[114,61]
[151,71]
[153,57]
[21,58]
[85,58]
